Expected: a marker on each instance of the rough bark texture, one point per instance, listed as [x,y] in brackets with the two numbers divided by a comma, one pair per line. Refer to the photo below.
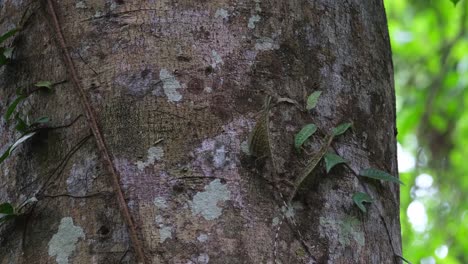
[194,73]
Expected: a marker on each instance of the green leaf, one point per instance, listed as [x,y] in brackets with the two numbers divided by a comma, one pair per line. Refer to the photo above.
[21,125]
[21,140]
[6,208]
[405,260]
[455,2]
[304,134]
[40,120]
[7,35]
[13,105]
[3,59]
[7,212]
[10,149]
[379,175]
[341,128]
[331,160]
[19,91]
[313,99]
[46,84]
[5,155]
[360,198]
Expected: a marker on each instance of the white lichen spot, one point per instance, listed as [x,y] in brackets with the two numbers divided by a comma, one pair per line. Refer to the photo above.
[170,85]
[160,202]
[159,219]
[288,211]
[113,5]
[275,221]
[165,232]
[348,228]
[222,13]
[203,258]
[217,60]
[63,243]
[206,203]
[154,154]
[98,14]
[80,5]
[208,89]
[219,157]
[252,20]
[202,238]
[245,147]
[257,6]
[264,44]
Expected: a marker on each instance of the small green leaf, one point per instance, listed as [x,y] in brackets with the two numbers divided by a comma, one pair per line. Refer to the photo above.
[40,120]
[313,99]
[331,160]
[405,260]
[455,2]
[21,125]
[13,105]
[5,155]
[10,149]
[8,34]
[8,52]
[379,175]
[304,134]
[360,198]
[341,129]
[21,140]
[3,59]
[7,212]
[46,84]
[6,208]
[19,91]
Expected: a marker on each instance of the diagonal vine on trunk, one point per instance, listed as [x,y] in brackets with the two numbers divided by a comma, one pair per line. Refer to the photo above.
[102,148]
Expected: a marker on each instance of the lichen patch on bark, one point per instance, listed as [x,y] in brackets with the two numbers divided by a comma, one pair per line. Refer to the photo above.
[223,13]
[342,233]
[217,60]
[170,86]
[203,258]
[160,202]
[206,203]
[202,238]
[154,154]
[252,20]
[63,243]
[265,43]
[165,232]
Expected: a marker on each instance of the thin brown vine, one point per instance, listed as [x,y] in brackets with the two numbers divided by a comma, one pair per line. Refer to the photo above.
[91,118]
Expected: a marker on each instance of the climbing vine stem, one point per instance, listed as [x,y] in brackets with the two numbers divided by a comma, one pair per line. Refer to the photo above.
[92,122]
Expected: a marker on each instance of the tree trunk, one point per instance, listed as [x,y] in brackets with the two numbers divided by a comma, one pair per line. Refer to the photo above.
[176,88]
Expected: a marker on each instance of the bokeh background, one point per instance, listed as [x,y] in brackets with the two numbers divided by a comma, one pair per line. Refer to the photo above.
[430,55]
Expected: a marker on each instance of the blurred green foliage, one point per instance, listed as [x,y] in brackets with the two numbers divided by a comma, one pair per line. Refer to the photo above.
[430,52]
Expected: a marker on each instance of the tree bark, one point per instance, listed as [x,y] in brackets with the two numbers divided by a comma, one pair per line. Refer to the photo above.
[176,87]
